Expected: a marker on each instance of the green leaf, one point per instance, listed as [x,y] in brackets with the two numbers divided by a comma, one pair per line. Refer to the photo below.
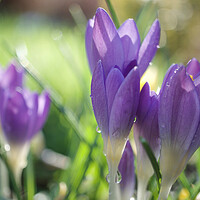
[152,160]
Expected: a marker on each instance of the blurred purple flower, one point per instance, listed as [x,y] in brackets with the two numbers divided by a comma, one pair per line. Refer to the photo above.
[12,77]
[179,121]
[22,114]
[146,126]
[127,171]
[119,47]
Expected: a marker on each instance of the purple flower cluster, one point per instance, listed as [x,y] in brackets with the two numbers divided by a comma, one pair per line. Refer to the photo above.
[169,121]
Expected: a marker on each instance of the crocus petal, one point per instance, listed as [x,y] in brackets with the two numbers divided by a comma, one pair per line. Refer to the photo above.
[44,102]
[32,103]
[107,41]
[113,82]
[178,110]
[12,77]
[147,119]
[146,126]
[130,38]
[149,47]
[99,100]
[124,106]
[127,171]
[91,50]
[193,67]
[15,117]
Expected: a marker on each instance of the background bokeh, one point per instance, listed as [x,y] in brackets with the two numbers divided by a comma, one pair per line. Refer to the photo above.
[66,159]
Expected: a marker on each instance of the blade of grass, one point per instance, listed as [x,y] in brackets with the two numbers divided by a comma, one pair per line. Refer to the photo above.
[29,178]
[113,14]
[152,160]
[184,182]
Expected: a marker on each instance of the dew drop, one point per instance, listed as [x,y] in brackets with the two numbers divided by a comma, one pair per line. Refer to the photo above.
[167,84]
[150,63]
[98,130]
[135,120]
[108,178]
[158,46]
[118,177]
[7,147]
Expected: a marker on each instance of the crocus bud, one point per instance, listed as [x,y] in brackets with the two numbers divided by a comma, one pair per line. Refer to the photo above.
[179,118]
[22,115]
[146,126]
[127,171]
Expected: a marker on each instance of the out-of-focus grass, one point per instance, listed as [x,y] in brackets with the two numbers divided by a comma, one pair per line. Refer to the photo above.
[57,52]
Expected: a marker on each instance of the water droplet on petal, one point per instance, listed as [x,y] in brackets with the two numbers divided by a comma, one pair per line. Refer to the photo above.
[118,177]
[135,120]
[167,84]
[98,130]
[150,63]
[108,178]
[158,46]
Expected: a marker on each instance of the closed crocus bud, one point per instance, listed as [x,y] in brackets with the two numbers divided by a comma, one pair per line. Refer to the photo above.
[127,171]
[146,126]
[179,121]
[22,115]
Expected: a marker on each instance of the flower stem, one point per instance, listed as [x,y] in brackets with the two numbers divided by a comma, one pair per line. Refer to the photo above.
[113,13]
[113,187]
[12,178]
[141,192]
[164,191]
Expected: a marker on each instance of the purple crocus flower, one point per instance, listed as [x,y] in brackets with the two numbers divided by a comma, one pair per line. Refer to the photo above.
[22,115]
[119,47]
[146,126]
[179,121]
[127,171]
[113,56]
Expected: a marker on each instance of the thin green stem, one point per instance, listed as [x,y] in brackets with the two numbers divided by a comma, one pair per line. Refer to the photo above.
[153,160]
[113,13]
[11,175]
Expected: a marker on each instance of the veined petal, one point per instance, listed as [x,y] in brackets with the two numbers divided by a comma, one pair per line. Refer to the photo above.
[125,106]
[107,41]
[15,117]
[91,50]
[147,120]
[99,100]
[149,47]
[178,110]
[193,67]
[44,103]
[130,38]
[127,170]
[113,82]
